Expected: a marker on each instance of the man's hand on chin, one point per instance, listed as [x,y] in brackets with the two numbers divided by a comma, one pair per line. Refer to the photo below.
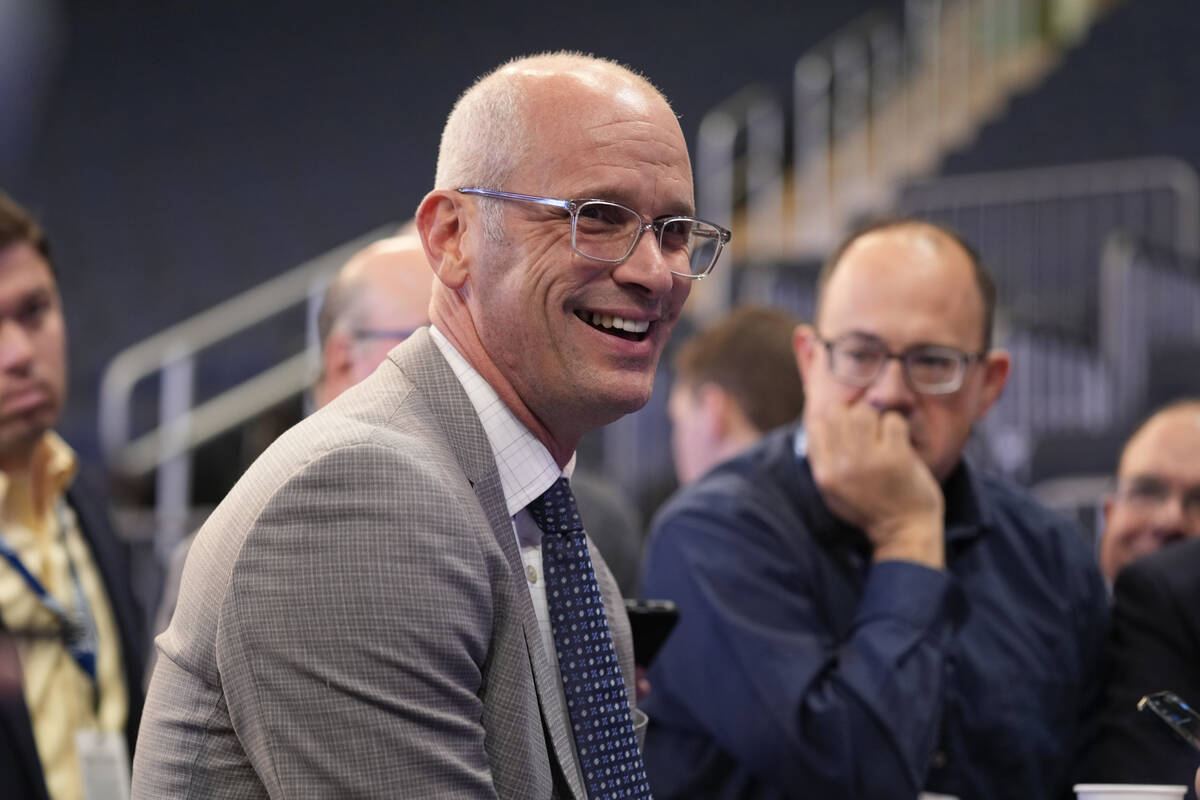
[871,477]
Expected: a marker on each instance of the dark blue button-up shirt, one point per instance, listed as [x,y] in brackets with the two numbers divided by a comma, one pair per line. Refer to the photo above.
[799,668]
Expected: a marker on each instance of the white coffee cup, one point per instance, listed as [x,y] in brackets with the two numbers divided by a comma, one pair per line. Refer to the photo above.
[1128,791]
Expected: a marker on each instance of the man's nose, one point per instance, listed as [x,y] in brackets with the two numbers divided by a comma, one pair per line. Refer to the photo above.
[890,391]
[647,267]
[16,347]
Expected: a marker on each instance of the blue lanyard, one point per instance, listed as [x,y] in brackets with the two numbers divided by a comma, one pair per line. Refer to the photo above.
[78,631]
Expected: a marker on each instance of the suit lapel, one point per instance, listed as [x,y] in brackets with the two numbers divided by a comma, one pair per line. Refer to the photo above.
[422,362]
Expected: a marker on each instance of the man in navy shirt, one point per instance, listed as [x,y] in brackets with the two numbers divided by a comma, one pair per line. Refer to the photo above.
[862,614]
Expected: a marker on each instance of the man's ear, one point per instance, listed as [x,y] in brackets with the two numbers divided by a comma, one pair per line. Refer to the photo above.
[712,404]
[996,366]
[442,221]
[805,345]
[336,364]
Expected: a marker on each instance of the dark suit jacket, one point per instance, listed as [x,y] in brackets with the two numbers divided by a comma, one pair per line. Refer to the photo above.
[20,769]
[1154,645]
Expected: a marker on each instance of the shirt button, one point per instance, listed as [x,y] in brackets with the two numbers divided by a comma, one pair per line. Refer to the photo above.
[938,759]
[531,573]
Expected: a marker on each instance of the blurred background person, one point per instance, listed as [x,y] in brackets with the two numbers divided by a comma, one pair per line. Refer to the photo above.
[1153,646]
[65,588]
[374,302]
[734,381]
[1157,498]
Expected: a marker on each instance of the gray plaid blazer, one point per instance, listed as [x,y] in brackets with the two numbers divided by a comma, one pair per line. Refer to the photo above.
[354,620]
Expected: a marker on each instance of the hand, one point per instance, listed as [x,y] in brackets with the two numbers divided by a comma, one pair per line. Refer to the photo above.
[641,684]
[871,477]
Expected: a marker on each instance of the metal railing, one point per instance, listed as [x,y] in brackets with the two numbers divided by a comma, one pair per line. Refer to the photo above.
[1150,299]
[1041,230]
[880,100]
[183,425]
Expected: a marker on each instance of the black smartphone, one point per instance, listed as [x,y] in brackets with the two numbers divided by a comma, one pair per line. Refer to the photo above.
[652,621]
[1174,710]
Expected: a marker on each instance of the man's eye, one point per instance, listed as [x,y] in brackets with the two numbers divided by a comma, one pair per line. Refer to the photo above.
[931,362]
[603,215]
[1146,489]
[862,354]
[31,313]
[676,236]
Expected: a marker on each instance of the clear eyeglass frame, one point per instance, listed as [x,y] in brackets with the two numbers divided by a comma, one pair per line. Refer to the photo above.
[368,334]
[929,369]
[713,236]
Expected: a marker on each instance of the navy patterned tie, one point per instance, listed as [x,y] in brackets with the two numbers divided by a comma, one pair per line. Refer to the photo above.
[591,676]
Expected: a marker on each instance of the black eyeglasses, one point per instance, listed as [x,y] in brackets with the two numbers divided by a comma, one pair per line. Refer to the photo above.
[605,231]
[858,359]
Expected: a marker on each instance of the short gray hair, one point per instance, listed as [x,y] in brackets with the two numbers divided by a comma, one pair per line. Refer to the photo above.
[484,140]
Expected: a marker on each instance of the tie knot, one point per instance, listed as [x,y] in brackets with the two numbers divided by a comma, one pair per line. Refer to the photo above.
[554,510]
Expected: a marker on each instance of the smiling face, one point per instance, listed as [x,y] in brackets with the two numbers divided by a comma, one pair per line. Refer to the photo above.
[33,363]
[906,285]
[579,340]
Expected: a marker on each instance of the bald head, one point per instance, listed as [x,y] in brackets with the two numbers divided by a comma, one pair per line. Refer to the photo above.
[487,135]
[1172,430]
[930,236]
[379,297]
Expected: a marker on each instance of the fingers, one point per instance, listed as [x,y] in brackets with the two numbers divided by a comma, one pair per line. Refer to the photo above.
[870,475]
[894,430]
[845,434]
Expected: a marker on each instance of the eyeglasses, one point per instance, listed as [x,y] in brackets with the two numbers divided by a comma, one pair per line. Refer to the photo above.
[399,334]
[605,231]
[1147,493]
[858,359]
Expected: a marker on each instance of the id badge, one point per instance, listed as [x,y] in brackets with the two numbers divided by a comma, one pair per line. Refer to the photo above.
[103,765]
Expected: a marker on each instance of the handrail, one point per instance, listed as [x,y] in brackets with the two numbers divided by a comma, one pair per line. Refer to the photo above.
[878,101]
[1121,176]
[181,427]
[757,111]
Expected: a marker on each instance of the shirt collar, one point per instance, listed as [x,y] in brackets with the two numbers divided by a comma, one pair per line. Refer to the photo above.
[525,465]
[52,468]
[966,516]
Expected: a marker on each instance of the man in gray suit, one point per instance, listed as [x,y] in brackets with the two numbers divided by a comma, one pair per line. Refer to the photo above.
[365,615]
